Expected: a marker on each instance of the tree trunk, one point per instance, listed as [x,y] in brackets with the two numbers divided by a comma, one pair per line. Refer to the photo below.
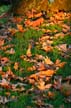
[22,6]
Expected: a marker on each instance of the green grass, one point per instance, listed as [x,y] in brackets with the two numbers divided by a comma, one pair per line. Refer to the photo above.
[4,9]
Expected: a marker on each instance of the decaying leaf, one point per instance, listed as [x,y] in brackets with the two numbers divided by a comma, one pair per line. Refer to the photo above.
[1,42]
[46,47]
[35,23]
[33,68]
[11,51]
[42,86]
[4,48]
[59,64]
[20,28]
[66,89]
[48,61]
[12,31]
[17,19]
[4,83]
[51,95]
[16,65]
[4,60]
[28,53]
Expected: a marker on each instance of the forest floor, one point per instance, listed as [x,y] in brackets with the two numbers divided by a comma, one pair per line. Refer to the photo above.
[35,60]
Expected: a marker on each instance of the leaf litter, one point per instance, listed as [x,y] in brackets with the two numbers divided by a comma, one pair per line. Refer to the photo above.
[44,76]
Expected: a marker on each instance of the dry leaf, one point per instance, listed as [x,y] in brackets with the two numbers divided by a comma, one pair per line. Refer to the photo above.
[31,81]
[7,93]
[20,28]
[46,47]
[46,73]
[41,85]
[11,51]
[66,26]
[4,83]
[0,68]
[28,53]
[2,42]
[61,65]
[33,68]
[35,23]
[59,35]
[66,89]
[12,31]
[16,65]
[40,66]
[17,19]
[4,60]
[48,61]
[62,47]
[51,95]
[6,47]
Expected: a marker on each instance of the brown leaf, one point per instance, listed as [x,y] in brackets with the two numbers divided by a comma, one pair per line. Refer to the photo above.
[11,51]
[16,65]
[46,73]
[6,47]
[20,28]
[35,23]
[62,47]
[66,89]
[65,26]
[5,84]
[51,95]
[7,93]
[17,19]
[28,53]
[59,35]
[46,47]
[4,60]
[12,31]
[33,68]
[41,85]
[1,42]
[59,64]
[48,61]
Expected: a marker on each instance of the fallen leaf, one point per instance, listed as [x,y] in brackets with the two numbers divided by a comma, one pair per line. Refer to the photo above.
[33,68]
[40,66]
[7,93]
[66,26]
[35,23]
[66,89]
[20,28]
[17,19]
[48,61]
[2,42]
[57,35]
[11,51]
[62,47]
[46,47]
[4,83]
[12,31]
[4,60]
[51,95]
[16,65]
[28,53]
[41,85]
